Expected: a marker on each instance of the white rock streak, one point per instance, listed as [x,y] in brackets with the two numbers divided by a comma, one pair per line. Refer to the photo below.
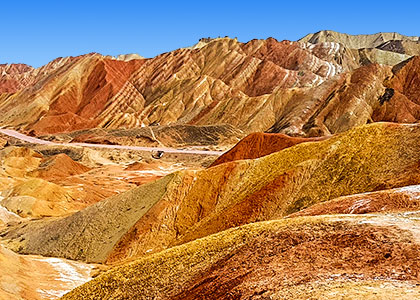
[71,275]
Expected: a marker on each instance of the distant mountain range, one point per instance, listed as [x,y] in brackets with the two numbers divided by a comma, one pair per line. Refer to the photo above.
[325,83]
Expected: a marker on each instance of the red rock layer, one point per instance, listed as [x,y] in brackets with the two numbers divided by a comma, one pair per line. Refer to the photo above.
[193,86]
[13,77]
[393,200]
[299,89]
[260,144]
[58,166]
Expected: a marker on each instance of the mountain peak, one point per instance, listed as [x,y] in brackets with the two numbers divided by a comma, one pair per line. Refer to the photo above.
[356,41]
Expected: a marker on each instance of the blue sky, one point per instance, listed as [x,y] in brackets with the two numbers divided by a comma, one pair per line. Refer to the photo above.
[35,32]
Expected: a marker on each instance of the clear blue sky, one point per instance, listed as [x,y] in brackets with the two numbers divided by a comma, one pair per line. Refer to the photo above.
[35,32]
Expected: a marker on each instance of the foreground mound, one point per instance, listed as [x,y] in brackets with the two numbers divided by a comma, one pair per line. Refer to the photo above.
[191,204]
[286,259]
[260,144]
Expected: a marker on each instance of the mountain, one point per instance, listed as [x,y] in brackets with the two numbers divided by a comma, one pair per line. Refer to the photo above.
[95,91]
[357,41]
[222,81]
[262,85]
[371,93]
[15,77]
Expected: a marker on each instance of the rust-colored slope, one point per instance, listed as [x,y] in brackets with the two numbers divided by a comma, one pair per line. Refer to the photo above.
[260,144]
[407,79]
[70,97]
[400,101]
[192,204]
[58,166]
[394,200]
[302,258]
[82,102]
[14,77]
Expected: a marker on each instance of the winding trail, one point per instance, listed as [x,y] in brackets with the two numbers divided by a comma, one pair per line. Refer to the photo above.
[34,140]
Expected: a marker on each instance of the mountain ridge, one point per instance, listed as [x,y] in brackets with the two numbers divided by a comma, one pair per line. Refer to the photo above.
[356,41]
[221,82]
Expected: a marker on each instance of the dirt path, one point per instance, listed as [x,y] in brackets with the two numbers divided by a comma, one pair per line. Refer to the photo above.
[34,140]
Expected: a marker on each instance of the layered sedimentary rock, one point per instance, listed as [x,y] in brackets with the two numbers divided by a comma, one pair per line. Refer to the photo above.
[260,144]
[369,257]
[371,93]
[15,77]
[70,96]
[405,199]
[221,82]
[357,41]
[188,205]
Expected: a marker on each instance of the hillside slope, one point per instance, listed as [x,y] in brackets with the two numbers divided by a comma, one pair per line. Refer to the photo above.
[191,204]
[369,257]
